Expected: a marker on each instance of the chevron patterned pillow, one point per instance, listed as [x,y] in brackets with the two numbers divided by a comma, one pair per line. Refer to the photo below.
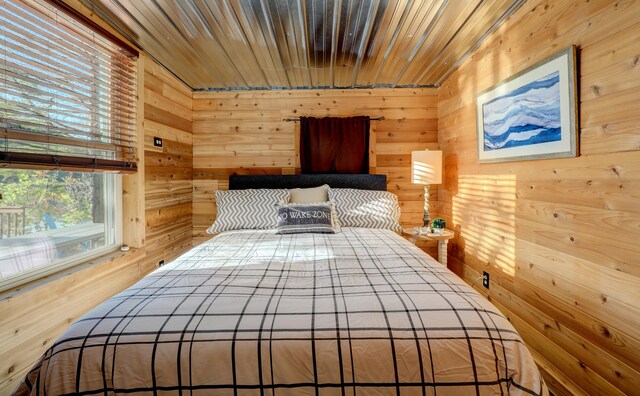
[248,209]
[366,208]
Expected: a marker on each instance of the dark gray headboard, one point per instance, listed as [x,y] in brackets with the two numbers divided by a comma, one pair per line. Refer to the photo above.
[362,182]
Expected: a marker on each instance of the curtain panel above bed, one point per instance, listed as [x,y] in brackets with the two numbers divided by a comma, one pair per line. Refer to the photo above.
[334,145]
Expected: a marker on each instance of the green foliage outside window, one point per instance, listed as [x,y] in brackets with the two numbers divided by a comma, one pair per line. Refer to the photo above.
[68,197]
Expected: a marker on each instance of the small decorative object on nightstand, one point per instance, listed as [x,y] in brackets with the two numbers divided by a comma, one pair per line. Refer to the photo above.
[417,233]
[437,225]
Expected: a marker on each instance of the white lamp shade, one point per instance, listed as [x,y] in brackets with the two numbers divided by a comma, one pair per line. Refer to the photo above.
[426,167]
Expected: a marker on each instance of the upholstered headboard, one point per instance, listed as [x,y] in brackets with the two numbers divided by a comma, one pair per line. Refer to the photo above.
[362,182]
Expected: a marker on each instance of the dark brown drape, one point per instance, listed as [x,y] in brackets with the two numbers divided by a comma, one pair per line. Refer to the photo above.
[334,145]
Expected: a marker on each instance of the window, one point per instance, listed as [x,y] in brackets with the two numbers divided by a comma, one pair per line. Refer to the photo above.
[52,219]
[67,127]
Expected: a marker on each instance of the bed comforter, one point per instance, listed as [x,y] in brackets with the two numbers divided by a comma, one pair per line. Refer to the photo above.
[361,312]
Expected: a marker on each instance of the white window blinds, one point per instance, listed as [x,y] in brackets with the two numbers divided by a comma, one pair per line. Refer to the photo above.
[67,90]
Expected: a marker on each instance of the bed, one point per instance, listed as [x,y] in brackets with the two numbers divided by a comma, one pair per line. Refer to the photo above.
[251,312]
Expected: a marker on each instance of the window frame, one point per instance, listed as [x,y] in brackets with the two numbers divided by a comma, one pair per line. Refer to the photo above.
[128,175]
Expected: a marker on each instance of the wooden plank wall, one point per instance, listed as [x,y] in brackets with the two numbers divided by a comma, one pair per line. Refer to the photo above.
[558,237]
[244,132]
[32,318]
[168,169]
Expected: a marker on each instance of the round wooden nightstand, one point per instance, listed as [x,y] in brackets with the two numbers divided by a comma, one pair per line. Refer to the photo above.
[415,235]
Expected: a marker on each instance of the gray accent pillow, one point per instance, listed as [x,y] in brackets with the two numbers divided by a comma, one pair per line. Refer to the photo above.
[366,208]
[300,218]
[251,209]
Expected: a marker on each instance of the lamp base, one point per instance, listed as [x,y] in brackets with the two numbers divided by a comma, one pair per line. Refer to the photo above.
[425,217]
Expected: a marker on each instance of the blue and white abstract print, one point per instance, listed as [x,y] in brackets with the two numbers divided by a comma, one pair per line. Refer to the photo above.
[525,116]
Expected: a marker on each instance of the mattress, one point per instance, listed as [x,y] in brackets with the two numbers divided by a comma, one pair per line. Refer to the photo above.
[360,312]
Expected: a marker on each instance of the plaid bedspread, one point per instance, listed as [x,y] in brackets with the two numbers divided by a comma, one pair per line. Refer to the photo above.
[361,312]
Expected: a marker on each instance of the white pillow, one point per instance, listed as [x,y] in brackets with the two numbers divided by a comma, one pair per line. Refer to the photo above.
[248,209]
[309,195]
[366,208]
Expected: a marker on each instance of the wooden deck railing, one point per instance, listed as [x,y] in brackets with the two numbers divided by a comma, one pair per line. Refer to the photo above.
[12,221]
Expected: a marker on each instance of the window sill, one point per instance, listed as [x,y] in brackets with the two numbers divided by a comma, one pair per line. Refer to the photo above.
[112,257]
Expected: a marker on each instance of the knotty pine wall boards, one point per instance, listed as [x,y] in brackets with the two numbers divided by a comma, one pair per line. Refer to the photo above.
[560,238]
[244,132]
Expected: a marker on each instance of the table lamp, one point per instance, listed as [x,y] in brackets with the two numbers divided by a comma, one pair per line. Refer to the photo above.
[426,169]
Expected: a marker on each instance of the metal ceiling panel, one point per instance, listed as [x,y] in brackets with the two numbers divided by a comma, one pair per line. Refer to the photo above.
[304,44]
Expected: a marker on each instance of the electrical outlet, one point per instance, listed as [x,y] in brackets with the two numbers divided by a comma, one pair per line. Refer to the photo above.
[157,142]
[485,279]
[161,263]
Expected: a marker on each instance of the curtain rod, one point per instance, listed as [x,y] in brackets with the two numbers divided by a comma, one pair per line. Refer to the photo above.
[298,119]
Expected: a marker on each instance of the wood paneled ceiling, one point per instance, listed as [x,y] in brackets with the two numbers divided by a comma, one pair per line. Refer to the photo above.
[276,44]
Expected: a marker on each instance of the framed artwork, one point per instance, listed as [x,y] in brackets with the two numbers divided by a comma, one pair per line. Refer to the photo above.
[533,114]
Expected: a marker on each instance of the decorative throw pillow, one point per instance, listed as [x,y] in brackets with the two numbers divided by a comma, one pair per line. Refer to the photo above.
[309,195]
[299,218]
[247,209]
[366,208]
